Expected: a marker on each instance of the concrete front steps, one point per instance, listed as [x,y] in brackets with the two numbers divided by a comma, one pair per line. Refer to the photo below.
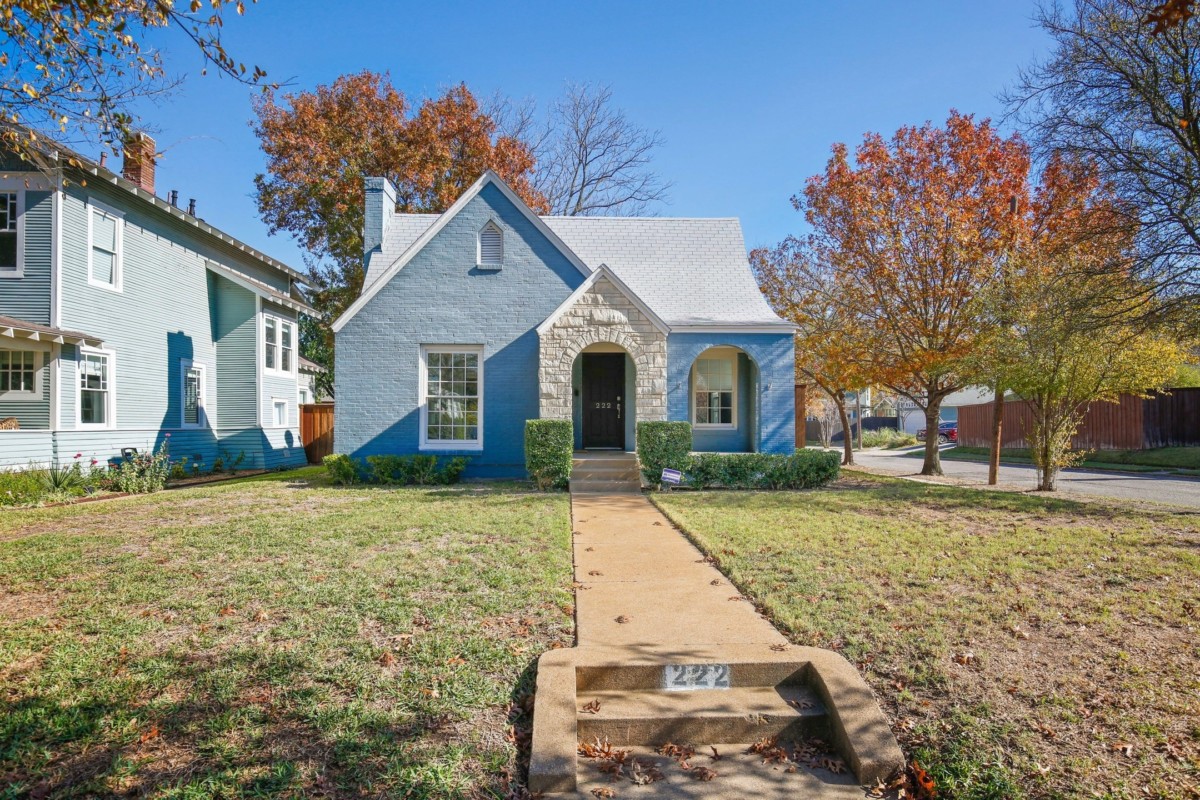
[792,694]
[605,472]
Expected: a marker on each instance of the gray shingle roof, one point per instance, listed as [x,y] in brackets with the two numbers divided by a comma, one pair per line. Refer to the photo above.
[689,271]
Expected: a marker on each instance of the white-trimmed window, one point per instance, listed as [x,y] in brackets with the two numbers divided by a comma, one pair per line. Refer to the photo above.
[279,413]
[451,397]
[106,231]
[19,375]
[279,345]
[96,402]
[303,396]
[192,382]
[11,258]
[714,381]
[491,246]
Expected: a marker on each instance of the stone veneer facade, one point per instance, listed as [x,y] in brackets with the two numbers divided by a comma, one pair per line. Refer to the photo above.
[603,314]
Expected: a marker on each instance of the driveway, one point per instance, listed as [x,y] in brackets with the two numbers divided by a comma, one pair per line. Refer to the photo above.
[1170,489]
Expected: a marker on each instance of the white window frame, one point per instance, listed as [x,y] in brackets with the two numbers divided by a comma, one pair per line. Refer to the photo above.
[19,270]
[39,362]
[301,393]
[280,322]
[479,262]
[118,283]
[110,409]
[185,365]
[474,445]
[716,355]
[275,403]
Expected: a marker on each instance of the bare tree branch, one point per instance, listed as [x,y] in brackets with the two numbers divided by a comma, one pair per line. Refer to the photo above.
[595,161]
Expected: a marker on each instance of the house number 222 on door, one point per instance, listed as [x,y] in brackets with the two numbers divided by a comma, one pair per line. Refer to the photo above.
[688,677]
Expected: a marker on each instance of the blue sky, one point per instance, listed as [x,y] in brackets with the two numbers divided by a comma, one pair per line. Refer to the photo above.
[749,96]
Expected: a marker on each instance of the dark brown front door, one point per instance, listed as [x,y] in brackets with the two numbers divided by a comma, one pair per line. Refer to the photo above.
[604,400]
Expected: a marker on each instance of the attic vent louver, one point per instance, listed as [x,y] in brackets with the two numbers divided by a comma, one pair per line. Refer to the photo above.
[491,246]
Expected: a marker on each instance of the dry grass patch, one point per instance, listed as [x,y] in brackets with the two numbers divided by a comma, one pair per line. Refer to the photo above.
[277,637]
[1023,646]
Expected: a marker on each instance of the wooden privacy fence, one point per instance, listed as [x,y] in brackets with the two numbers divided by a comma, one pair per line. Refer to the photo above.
[1133,423]
[316,430]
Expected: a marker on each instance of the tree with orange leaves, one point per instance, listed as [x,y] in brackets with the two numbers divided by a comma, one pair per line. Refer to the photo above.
[911,230]
[320,144]
[829,344]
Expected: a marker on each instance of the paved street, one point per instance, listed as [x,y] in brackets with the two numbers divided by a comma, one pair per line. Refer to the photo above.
[1178,491]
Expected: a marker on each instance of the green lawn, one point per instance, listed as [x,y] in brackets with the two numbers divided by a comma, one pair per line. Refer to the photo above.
[1022,646]
[278,637]
[1185,460]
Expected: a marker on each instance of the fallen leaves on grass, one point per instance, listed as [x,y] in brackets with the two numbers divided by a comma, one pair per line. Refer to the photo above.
[386,659]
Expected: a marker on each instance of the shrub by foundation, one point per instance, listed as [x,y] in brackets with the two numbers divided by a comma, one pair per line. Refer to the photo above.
[663,445]
[549,450]
[805,469]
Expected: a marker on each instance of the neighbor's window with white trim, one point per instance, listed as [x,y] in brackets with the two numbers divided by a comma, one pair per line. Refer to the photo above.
[491,246]
[279,413]
[192,402]
[105,234]
[95,389]
[715,384]
[19,374]
[452,397]
[279,344]
[11,265]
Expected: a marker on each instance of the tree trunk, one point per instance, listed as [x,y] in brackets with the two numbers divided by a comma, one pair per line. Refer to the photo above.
[997,431]
[858,417]
[847,442]
[933,456]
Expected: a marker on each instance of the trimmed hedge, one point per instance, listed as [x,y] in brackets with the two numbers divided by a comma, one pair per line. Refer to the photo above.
[549,452]
[423,470]
[805,469]
[663,445]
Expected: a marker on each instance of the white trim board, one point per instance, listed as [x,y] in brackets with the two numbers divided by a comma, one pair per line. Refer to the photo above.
[487,178]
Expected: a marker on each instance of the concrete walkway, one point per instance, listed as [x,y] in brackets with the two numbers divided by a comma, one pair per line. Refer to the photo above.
[632,564]
[648,602]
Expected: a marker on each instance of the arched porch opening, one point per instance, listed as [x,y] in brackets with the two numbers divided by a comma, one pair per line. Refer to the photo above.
[723,407]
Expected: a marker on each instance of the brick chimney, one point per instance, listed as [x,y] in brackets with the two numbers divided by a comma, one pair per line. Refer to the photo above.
[138,165]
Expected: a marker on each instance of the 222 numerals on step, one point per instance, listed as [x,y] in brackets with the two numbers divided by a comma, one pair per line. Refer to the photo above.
[688,677]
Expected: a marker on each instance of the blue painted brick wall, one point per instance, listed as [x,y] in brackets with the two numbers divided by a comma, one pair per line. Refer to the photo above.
[441,298]
[773,354]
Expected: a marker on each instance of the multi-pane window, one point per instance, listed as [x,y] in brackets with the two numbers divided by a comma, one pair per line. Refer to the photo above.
[452,396]
[95,384]
[279,339]
[105,265]
[18,371]
[714,391]
[193,396]
[8,233]
[491,246]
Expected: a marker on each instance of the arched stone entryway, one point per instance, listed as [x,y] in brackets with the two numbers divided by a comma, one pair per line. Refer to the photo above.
[602,313]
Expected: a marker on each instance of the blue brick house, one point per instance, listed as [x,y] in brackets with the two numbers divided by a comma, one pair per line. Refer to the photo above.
[475,320]
[126,321]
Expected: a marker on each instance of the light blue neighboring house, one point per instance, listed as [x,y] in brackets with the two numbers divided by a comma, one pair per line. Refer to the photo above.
[475,320]
[126,322]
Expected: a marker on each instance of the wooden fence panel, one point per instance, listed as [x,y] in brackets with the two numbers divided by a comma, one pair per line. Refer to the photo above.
[1132,423]
[316,430]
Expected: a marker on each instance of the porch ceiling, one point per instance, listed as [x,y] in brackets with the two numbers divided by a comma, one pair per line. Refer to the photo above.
[20,330]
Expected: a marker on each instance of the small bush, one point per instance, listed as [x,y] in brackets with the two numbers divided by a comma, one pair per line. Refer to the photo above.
[549,452]
[422,470]
[19,488]
[887,437]
[341,468]
[804,469]
[663,445]
[144,473]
